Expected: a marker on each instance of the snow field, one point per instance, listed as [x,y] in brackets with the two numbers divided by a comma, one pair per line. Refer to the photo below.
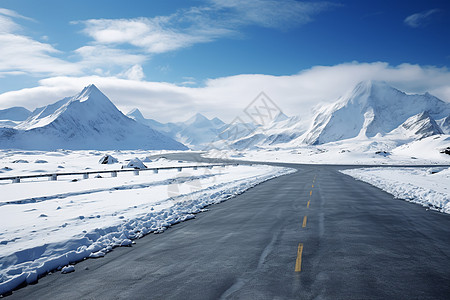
[47,225]
[356,151]
[428,187]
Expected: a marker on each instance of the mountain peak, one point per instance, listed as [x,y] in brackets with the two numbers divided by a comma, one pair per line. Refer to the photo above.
[197,118]
[14,113]
[91,92]
[136,113]
[371,86]
[217,122]
[280,117]
[422,125]
[373,83]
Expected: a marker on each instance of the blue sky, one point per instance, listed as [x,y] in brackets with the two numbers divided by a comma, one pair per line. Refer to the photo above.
[188,43]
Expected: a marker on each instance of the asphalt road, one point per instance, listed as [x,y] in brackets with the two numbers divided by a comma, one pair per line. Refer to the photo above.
[352,241]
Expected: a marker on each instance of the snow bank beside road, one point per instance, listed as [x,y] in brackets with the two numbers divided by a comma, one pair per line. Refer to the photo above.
[99,214]
[426,186]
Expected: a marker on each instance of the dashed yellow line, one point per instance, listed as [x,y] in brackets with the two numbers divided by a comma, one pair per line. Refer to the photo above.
[298,262]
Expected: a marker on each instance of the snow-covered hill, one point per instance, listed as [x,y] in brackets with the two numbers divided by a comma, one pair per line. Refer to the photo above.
[282,129]
[444,124]
[420,126]
[88,120]
[197,132]
[373,108]
[10,117]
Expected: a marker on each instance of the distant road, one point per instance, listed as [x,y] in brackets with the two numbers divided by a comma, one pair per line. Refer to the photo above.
[314,234]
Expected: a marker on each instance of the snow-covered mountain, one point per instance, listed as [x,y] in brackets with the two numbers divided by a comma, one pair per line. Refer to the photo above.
[420,126]
[199,130]
[371,111]
[196,132]
[10,117]
[88,120]
[373,108]
[444,124]
[16,113]
[282,129]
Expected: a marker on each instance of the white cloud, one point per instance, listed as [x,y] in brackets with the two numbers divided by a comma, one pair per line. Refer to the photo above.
[13,14]
[98,55]
[274,13]
[7,25]
[421,18]
[227,97]
[202,24]
[23,55]
[110,53]
[20,54]
[155,35]
[134,73]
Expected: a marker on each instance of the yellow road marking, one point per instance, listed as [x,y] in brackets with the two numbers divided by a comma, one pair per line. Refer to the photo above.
[313,185]
[310,193]
[307,205]
[304,221]
[298,262]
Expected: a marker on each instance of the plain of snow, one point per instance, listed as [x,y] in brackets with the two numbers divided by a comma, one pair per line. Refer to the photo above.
[356,151]
[426,186]
[48,225]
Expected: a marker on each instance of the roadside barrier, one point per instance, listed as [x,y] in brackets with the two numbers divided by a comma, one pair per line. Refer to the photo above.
[85,174]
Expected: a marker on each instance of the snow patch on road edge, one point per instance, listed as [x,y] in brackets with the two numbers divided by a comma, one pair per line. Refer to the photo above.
[422,195]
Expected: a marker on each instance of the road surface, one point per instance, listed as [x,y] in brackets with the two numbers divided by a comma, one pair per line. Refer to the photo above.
[314,234]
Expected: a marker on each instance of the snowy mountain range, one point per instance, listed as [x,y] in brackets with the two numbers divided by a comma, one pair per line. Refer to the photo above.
[196,132]
[371,109]
[89,120]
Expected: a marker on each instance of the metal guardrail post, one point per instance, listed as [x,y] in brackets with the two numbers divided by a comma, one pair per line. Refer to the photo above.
[86,176]
[179,169]
[16,180]
[53,177]
[136,172]
[155,171]
[195,168]
[114,174]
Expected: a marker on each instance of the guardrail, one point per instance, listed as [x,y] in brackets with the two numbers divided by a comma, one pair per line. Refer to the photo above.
[54,176]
